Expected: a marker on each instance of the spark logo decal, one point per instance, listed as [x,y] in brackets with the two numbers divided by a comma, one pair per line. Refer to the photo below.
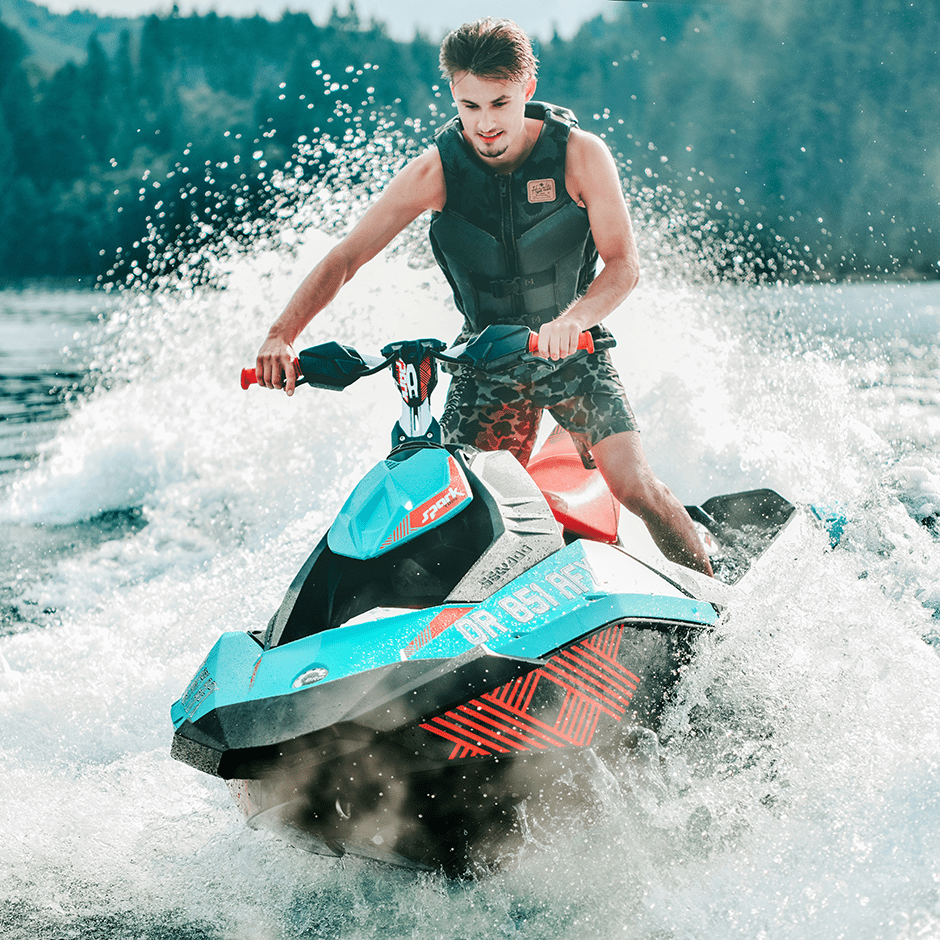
[457,491]
[556,706]
[454,493]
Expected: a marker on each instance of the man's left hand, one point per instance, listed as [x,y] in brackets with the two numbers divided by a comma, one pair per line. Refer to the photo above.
[559,338]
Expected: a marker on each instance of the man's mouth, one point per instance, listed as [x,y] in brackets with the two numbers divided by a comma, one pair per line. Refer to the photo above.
[489,138]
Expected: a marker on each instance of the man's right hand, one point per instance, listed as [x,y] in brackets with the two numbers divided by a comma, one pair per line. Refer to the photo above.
[419,186]
[275,365]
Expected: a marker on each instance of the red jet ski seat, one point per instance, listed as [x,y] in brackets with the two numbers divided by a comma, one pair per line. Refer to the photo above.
[579,498]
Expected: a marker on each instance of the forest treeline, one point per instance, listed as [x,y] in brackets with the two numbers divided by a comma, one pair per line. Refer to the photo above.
[805,134]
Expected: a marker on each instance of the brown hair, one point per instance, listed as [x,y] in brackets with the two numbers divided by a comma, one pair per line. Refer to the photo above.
[488,48]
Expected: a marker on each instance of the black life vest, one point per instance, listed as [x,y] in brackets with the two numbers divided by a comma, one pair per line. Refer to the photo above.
[516,248]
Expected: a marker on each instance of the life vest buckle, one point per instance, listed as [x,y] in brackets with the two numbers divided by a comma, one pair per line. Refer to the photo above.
[501,287]
[505,287]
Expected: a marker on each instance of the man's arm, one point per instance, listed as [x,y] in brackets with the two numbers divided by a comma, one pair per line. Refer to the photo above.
[418,187]
[592,180]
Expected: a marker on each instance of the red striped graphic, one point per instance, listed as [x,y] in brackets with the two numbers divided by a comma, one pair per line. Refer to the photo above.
[426,372]
[576,685]
[434,629]
[401,530]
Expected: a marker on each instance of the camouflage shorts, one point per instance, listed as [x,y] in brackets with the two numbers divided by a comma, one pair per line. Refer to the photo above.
[586,397]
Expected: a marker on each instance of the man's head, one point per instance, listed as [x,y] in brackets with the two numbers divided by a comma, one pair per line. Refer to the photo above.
[488,48]
[492,75]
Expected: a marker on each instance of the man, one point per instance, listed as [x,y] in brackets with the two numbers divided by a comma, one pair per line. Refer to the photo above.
[522,204]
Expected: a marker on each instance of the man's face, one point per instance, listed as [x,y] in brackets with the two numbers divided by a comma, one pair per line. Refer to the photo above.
[493,115]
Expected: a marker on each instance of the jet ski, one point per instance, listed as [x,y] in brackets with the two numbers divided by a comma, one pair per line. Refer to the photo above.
[463,645]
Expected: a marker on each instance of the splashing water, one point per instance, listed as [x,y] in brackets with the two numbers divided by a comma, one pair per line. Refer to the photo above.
[794,790]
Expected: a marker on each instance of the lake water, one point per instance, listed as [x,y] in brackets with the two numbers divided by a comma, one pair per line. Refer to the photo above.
[147,504]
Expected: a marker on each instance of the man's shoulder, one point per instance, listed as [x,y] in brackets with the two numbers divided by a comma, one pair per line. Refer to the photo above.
[427,161]
[590,169]
[425,169]
[586,150]
[423,179]
[586,142]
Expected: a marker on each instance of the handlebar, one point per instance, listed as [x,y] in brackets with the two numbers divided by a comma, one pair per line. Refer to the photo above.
[495,349]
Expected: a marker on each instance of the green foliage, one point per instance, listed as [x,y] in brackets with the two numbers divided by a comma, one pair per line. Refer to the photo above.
[814,120]
[805,133]
[158,140]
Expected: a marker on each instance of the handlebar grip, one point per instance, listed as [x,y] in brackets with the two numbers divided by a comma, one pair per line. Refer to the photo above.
[585,341]
[250,376]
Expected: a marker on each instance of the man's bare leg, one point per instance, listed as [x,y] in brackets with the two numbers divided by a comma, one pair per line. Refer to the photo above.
[621,460]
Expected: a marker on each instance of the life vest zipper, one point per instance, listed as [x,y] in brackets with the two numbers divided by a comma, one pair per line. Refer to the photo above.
[507,230]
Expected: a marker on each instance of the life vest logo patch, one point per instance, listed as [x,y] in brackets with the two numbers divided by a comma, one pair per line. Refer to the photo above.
[541,190]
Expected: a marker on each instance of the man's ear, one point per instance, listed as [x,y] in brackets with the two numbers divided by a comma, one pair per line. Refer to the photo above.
[530,88]
[453,82]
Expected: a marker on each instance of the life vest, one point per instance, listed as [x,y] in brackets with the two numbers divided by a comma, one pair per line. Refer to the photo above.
[516,248]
